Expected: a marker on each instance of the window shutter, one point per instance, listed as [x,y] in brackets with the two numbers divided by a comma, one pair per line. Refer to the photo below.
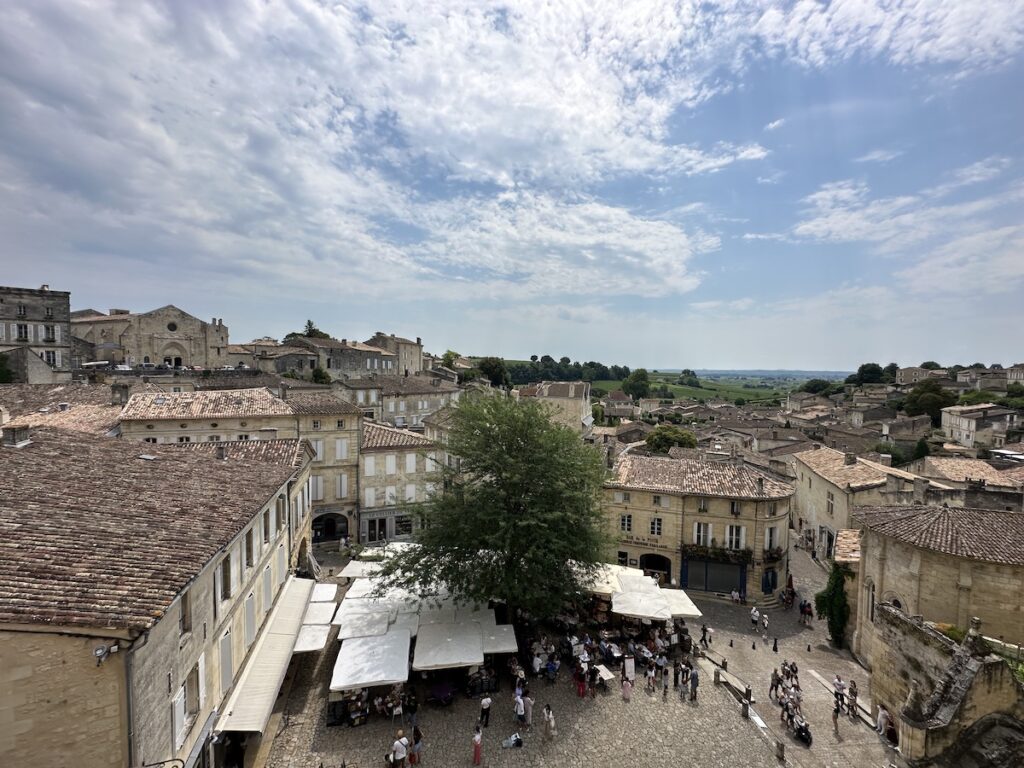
[3,331]
[410,462]
[227,672]
[178,718]
[282,564]
[390,464]
[268,589]
[318,447]
[202,679]
[743,536]
[695,539]
[371,497]
[56,331]
[318,488]
[341,448]
[250,619]
[618,497]
[390,495]
[410,492]
[369,465]
[236,567]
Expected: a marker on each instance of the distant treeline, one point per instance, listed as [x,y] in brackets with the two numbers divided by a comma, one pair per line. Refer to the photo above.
[546,368]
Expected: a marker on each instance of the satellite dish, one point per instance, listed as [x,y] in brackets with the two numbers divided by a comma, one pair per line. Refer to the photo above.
[100,651]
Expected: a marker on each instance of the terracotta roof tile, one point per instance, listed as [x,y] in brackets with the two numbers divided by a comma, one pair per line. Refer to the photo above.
[325,402]
[695,477]
[225,403]
[978,534]
[142,529]
[830,464]
[379,437]
[402,385]
[847,548]
[959,469]
[20,399]
[285,452]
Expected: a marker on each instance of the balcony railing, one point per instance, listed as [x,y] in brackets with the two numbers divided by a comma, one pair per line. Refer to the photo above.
[773,554]
[718,554]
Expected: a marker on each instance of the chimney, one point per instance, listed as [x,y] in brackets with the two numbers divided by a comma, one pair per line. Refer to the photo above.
[16,437]
[344,342]
[419,341]
[893,484]
[920,489]
[222,452]
[885,460]
[5,415]
[63,406]
[849,458]
[119,393]
[284,391]
[44,287]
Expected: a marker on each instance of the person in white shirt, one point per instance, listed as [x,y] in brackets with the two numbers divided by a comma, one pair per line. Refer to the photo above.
[399,750]
[755,616]
[520,709]
[485,711]
[536,664]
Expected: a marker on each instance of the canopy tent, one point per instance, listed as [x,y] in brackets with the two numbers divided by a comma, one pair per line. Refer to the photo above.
[440,615]
[606,580]
[367,661]
[324,593]
[312,637]
[680,604]
[407,621]
[641,605]
[478,613]
[500,638]
[252,700]
[443,646]
[355,569]
[319,613]
[368,587]
[363,625]
[630,582]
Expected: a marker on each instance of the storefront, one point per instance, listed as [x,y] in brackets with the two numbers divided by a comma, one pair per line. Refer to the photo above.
[713,576]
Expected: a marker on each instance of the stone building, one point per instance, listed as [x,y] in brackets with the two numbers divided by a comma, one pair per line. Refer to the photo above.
[569,401]
[35,334]
[944,563]
[122,644]
[908,377]
[331,425]
[398,468]
[409,353]
[960,471]
[702,525]
[983,425]
[401,401]
[166,336]
[344,359]
[830,483]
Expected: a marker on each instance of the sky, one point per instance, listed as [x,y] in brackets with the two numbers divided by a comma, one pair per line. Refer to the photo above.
[743,184]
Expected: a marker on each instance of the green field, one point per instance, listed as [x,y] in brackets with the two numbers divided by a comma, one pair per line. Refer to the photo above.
[728,389]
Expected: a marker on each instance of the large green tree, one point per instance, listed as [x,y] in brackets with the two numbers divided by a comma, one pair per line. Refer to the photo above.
[637,384]
[520,522]
[494,369]
[928,397]
[310,331]
[666,436]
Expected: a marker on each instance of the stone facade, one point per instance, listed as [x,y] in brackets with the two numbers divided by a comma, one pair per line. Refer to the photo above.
[409,353]
[569,402]
[983,425]
[37,324]
[348,359]
[163,336]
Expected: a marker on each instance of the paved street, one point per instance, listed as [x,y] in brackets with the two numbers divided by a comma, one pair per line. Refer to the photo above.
[856,744]
[607,731]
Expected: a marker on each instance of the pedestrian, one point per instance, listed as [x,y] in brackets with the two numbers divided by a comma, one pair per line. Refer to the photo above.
[704,635]
[694,682]
[755,617]
[773,689]
[528,703]
[835,716]
[581,681]
[477,746]
[627,689]
[764,623]
[519,707]
[664,684]
[549,723]
[416,756]
[399,750]
[485,710]
[411,707]
[677,671]
[882,723]
[592,678]
[851,696]
[840,691]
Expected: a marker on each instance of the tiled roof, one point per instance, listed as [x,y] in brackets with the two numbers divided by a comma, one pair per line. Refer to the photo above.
[88,418]
[442,417]
[343,344]
[20,399]
[379,437]
[207,404]
[830,464]
[618,394]
[391,386]
[325,402]
[1013,475]
[847,548]
[978,534]
[960,469]
[93,535]
[695,477]
[287,453]
[573,389]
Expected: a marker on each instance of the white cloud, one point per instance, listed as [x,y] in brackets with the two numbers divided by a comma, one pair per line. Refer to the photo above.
[975,173]
[775,124]
[879,156]
[772,178]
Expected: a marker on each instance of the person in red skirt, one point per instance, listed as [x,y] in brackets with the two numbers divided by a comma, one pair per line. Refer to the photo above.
[477,747]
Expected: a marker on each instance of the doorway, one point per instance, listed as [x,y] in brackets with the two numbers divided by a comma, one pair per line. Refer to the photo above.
[376,530]
[658,566]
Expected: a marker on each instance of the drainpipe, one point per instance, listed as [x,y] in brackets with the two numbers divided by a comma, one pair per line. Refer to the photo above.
[129,701]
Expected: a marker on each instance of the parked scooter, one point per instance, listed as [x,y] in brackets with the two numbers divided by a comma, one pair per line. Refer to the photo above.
[802,731]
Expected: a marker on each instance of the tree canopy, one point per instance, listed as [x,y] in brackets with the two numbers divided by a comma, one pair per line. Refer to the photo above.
[928,397]
[868,373]
[448,358]
[930,365]
[637,384]
[666,436]
[815,386]
[310,331]
[320,376]
[493,368]
[546,368]
[520,522]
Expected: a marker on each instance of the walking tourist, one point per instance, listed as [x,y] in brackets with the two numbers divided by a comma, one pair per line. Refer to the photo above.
[399,750]
[528,703]
[755,617]
[694,682]
[549,723]
[416,755]
[627,688]
[773,689]
[477,746]
[485,710]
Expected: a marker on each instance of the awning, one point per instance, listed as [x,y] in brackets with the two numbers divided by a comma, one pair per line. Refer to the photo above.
[499,639]
[641,605]
[367,661]
[319,613]
[680,604]
[480,614]
[312,637]
[364,625]
[324,593]
[407,621]
[445,646]
[606,579]
[252,700]
[355,569]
